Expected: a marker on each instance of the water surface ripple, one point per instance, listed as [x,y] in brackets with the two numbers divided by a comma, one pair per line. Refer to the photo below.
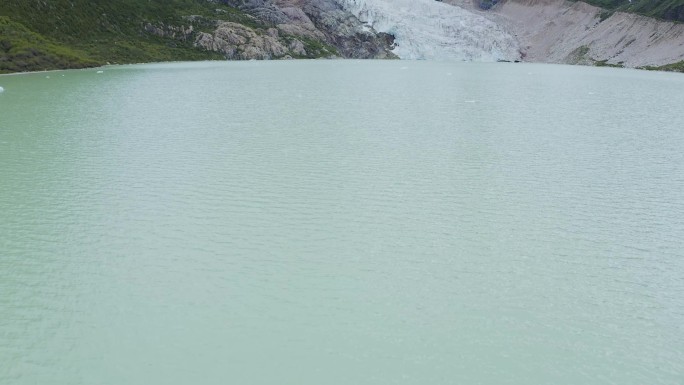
[342,222]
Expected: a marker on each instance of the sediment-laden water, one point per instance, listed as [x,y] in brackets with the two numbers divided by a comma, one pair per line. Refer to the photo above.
[342,222]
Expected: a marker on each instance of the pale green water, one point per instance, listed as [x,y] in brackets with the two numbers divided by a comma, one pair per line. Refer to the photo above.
[342,223]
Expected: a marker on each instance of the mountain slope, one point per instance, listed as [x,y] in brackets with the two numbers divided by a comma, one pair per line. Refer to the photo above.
[51,34]
[92,32]
[21,48]
[663,9]
[558,31]
[104,31]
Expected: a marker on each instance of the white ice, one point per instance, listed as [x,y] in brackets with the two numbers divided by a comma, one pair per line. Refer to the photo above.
[429,29]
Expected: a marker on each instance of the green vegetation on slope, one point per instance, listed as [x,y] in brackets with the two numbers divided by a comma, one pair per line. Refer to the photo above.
[51,34]
[21,49]
[674,67]
[78,20]
[660,9]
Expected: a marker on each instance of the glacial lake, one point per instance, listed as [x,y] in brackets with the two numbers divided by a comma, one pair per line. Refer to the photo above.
[342,222]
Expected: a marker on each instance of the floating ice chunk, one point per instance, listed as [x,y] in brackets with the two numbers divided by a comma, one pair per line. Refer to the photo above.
[2,90]
[100,72]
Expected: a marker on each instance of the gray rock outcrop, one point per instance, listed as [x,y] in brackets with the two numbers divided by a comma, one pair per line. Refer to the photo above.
[346,32]
[294,28]
[239,42]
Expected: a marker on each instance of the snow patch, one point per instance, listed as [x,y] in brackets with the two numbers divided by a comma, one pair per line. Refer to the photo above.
[429,29]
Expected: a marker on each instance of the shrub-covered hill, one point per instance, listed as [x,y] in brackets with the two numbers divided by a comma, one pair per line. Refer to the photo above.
[22,49]
[50,34]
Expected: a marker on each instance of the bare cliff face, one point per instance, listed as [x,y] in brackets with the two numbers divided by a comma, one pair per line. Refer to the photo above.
[550,31]
[560,31]
[352,37]
[295,29]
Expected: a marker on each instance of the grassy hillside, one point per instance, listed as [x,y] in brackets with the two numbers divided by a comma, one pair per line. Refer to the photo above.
[49,34]
[22,49]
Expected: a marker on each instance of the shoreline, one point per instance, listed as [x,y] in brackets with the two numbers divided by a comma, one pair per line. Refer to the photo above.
[103,67]
[47,71]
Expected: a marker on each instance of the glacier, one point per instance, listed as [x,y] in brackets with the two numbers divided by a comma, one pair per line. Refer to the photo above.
[429,29]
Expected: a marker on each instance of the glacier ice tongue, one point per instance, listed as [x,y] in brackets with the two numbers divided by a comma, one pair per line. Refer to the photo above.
[429,29]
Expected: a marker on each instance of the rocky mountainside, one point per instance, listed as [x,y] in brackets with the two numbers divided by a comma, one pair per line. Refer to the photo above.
[295,29]
[672,10]
[559,31]
[50,34]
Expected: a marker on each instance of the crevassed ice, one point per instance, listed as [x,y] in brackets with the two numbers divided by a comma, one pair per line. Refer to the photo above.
[429,29]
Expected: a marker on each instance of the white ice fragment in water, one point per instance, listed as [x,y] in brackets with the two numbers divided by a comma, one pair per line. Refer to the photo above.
[100,72]
[2,90]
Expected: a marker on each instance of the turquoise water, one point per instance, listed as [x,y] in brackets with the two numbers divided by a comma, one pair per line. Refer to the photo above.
[342,222]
